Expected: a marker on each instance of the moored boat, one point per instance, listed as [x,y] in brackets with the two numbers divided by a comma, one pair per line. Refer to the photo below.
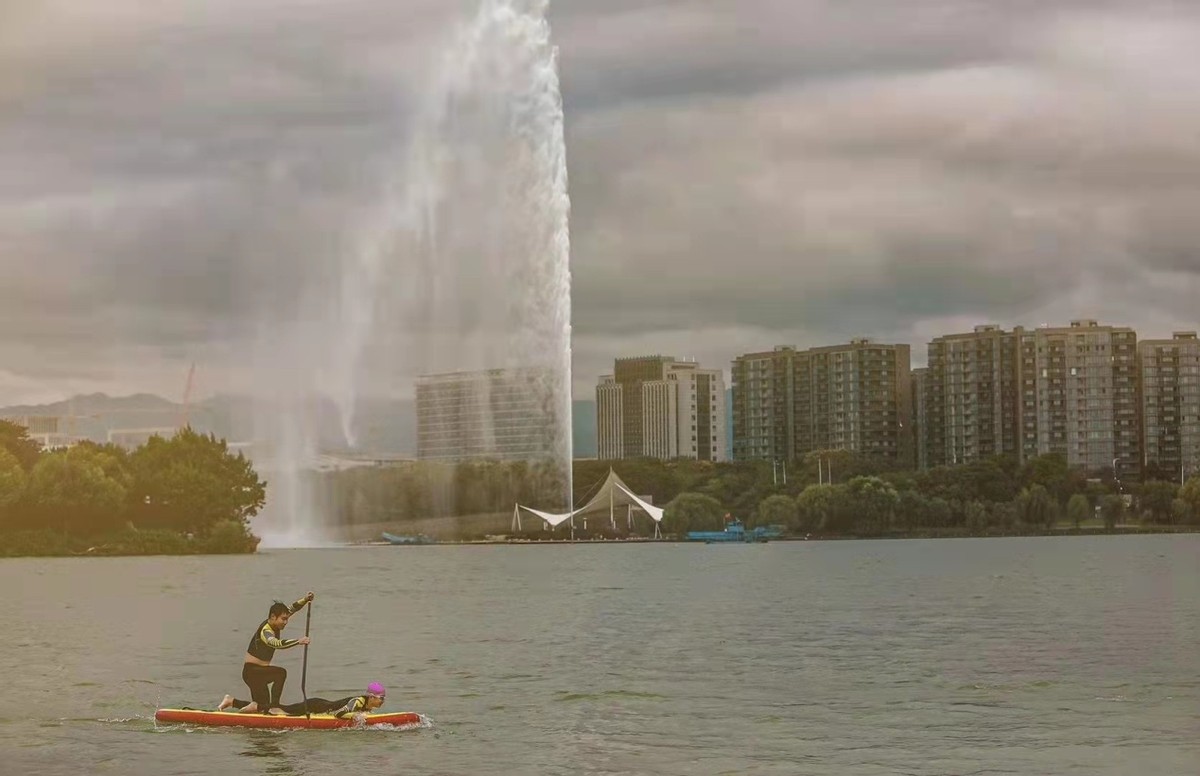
[735,531]
[418,539]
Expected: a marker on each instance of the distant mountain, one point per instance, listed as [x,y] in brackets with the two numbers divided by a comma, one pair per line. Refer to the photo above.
[92,416]
[385,427]
[95,403]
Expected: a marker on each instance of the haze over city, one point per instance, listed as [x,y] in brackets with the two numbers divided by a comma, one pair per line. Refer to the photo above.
[741,175]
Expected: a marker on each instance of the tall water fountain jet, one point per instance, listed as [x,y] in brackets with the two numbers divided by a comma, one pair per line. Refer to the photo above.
[463,266]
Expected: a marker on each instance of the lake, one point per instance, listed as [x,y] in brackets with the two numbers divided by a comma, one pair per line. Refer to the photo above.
[1073,655]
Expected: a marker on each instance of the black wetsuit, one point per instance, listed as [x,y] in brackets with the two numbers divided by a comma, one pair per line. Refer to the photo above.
[340,708]
[266,682]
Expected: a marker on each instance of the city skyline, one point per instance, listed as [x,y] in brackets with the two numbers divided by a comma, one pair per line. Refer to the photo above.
[739,176]
[585,383]
[1095,393]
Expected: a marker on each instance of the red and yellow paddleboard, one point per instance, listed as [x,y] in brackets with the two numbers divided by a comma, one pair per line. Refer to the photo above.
[315,722]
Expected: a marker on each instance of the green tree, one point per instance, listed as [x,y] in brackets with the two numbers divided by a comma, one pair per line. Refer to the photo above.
[1112,509]
[839,465]
[1078,510]
[1155,499]
[815,507]
[913,510]
[229,537]
[987,479]
[975,515]
[874,502]
[693,512]
[1049,471]
[1036,506]
[80,490]
[12,479]
[191,482]
[776,510]
[15,439]
[916,510]
[1181,513]
[1189,494]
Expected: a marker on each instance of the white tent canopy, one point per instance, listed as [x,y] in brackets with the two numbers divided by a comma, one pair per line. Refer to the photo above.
[554,521]
[612,494]
[615,493]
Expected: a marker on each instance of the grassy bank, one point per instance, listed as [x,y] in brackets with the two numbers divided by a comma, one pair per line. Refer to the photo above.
[228,538]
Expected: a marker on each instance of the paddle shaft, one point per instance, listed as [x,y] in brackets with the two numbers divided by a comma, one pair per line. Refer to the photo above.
[304,668]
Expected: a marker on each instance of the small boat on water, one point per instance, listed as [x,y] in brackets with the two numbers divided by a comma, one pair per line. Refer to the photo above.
[418,539]
[735,532]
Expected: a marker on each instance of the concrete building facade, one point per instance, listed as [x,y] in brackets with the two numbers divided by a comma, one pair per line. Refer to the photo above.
[1079,396]
[609,420]
[492,414]
[970,397]
[660,407]
[1170,395]
[855,396]
[1071,390]
[764,405]
[920,416]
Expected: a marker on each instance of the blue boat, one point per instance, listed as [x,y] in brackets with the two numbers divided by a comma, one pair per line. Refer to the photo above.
[418,539]
[735,531]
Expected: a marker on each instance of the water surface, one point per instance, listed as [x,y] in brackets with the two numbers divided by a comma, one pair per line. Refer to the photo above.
[1030,656]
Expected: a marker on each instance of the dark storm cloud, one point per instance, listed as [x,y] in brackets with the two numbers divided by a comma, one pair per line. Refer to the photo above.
[1015,165]
[742,174]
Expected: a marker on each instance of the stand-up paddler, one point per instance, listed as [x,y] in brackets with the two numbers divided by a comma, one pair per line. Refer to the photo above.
[265,680]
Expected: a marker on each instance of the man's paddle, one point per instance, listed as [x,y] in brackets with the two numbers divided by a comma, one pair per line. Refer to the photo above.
[304,669]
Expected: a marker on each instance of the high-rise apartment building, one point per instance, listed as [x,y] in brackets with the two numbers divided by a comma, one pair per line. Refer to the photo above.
[610,416]
[659,407]
[855,396]
[920,416]
[491,414]
[970,397]
[1070,390]
[1079,396]
[1170,377]
[764,405]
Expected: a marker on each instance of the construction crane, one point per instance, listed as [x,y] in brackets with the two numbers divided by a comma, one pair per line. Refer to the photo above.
[187,397]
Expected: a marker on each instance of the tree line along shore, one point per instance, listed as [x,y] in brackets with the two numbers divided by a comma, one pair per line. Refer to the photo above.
[184,495]
[191,495]
[826,494]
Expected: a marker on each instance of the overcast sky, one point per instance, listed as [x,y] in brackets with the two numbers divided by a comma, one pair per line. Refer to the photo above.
[743,174]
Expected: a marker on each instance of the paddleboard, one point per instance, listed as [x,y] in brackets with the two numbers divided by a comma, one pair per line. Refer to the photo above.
[316,722]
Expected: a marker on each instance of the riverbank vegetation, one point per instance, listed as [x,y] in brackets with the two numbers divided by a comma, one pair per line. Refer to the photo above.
[189,494]
[842,494]
[178,496]
[833,493]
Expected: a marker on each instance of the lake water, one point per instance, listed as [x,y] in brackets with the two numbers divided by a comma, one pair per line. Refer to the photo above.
[1025,656]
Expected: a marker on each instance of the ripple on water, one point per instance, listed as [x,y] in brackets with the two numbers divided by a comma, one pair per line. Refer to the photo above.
[565,696]
[708,670]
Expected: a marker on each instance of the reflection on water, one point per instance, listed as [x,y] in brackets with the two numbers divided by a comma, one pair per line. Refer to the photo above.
[268,745]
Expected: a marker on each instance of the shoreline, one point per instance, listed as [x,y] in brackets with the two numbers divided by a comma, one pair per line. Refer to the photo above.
[1129,530]
[1118,531]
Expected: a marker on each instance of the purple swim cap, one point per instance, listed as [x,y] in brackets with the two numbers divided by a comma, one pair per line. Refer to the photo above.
[376,689]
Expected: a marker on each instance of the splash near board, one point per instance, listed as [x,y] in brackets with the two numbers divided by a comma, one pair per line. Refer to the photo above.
[315,722]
